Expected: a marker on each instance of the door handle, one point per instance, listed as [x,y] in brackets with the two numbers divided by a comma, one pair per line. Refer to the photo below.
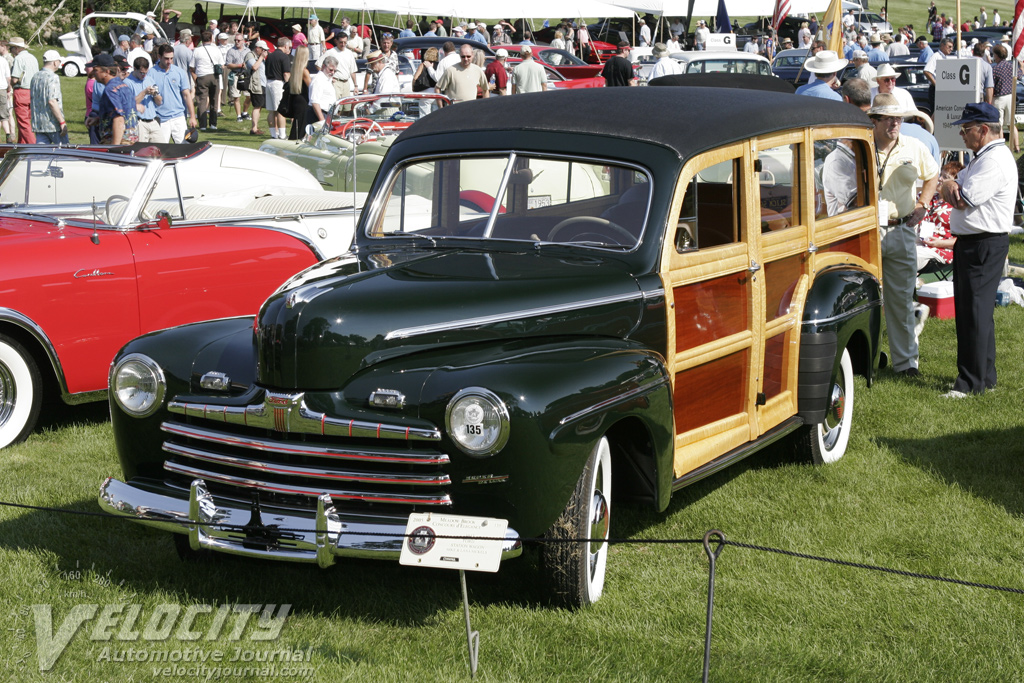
[754,266]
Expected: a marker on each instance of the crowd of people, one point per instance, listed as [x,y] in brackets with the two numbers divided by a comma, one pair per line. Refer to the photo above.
[953,213]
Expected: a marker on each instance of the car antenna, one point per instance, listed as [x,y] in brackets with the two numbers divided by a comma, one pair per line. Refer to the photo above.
[95,237]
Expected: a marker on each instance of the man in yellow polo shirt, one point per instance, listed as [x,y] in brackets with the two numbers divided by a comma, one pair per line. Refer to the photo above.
[902,161]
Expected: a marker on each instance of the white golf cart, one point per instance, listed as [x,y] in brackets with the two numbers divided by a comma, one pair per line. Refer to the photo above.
[82,45]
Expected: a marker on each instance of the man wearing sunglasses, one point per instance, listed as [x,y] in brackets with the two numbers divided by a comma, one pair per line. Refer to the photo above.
[982,196]
[902,161]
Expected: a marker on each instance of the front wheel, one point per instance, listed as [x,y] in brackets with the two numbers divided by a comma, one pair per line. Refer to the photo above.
[575,571]
[825,442]
[71,69]
[20,392]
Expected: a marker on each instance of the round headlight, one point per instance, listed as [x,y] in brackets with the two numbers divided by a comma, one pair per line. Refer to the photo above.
[138,385]
[477,421]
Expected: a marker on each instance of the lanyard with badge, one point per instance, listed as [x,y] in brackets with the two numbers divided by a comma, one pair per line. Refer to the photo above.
[883,204]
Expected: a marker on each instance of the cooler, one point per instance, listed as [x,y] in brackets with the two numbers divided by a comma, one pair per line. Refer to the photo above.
[938,297]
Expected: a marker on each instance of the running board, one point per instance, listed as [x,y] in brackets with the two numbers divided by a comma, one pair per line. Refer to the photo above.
[737,454]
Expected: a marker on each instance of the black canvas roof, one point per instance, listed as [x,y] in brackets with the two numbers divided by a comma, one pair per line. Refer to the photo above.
[686,120]
[724,80]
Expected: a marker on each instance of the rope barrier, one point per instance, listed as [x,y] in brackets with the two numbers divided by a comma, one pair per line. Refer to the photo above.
[611,541]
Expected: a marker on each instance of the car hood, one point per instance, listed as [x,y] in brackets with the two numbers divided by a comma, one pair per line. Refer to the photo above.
[348,314]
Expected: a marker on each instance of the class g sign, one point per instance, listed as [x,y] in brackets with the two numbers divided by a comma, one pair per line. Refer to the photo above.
[957,82]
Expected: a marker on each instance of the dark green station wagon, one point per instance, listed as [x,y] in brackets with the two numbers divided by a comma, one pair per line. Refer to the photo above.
[540,315]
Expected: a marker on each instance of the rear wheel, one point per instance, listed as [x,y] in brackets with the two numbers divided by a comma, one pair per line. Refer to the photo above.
[575,571]
[20,392]
[71,69]
[825,442]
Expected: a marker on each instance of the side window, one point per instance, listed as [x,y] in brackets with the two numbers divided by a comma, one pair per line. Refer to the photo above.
[780,206]
[710,213]
[839,176]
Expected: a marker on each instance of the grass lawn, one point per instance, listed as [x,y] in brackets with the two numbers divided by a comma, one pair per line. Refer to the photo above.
[928,485]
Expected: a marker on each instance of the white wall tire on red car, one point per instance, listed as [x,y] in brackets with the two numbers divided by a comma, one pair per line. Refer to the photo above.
[576,571]
[20,392]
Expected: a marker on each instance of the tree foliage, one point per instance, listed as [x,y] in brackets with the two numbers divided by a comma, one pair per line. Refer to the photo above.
[24,17]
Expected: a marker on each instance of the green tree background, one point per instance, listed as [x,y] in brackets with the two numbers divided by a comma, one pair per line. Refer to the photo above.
[24,17]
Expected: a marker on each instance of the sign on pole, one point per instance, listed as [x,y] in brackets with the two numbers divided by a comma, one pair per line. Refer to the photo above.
[957,82]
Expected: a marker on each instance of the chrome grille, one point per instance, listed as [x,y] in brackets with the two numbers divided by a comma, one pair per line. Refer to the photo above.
[288,454]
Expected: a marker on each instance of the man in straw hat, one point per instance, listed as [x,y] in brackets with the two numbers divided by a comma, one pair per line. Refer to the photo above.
[983,197]
[884,82]
[826,65]
[902,161]
[385,81]
[24,68]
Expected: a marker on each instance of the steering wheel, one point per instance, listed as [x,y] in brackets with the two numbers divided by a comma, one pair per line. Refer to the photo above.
[106,207]
[596,226]
[366,125]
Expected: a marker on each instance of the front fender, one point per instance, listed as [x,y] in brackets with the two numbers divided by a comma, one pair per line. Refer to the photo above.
[183,353]
[562,396]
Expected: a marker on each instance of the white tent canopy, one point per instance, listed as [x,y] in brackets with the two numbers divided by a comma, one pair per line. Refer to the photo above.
[709,8]
[454,8]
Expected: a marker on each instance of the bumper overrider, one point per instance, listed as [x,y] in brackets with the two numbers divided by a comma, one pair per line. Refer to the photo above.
[292,535]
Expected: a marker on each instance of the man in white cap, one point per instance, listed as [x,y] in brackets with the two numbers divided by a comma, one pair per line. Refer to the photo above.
[481,30]
[645,33]
[903,161]
[316,37]
[826,65]
[497,76]
[500,36]
[24,68]
[47,103]
[528,76]
[701,35]
[859,59]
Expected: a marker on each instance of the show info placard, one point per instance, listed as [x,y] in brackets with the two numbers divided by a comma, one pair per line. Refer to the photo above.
[473,550]
[957,82]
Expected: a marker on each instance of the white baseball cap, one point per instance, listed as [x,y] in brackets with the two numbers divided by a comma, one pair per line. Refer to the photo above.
[52,56]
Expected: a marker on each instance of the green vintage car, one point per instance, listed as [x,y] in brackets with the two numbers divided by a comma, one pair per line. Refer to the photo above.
[627,304]
[344,153]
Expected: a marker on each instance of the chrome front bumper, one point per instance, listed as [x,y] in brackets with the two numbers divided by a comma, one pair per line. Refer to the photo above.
[287,534]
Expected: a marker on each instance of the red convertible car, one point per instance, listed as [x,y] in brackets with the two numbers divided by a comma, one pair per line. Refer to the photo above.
[100,245]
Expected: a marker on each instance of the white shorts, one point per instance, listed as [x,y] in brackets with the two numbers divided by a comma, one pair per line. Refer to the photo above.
[274,92]
[173,129]
[1002,103]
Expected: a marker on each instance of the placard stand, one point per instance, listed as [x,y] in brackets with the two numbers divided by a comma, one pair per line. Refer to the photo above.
[454,542]
[472,637]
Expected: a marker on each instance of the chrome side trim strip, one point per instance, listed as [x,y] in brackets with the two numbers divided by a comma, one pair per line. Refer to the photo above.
[291,448]
[327,473]
[512,315]
[842,316]
[620,398]
[293,490]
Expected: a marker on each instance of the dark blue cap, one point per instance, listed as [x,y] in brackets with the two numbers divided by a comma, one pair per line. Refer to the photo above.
[978,112]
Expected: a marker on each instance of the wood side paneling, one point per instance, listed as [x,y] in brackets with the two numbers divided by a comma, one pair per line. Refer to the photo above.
[706,311]
[711,392]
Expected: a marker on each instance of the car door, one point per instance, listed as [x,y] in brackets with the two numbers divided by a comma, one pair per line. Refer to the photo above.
[200,272]
[711,272]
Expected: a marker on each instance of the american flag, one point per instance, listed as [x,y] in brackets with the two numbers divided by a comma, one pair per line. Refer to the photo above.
[1018,29]
[782,11]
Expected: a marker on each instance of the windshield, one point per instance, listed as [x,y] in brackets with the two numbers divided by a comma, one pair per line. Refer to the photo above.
[516,197]
[68,187]
[728,66]
[394,108]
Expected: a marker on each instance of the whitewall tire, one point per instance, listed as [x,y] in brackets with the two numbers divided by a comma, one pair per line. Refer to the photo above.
[20,392]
